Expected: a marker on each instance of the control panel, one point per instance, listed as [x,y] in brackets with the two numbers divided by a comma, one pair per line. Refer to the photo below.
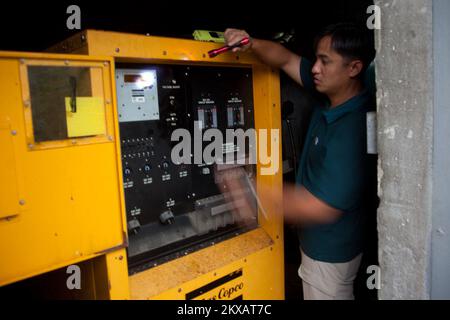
[176,206]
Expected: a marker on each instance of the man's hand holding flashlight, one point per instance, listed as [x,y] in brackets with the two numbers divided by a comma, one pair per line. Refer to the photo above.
[233,36]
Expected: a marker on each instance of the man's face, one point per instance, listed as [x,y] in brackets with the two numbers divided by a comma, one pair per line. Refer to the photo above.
[331,70]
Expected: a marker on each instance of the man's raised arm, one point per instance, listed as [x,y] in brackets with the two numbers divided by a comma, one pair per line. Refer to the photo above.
[269,52]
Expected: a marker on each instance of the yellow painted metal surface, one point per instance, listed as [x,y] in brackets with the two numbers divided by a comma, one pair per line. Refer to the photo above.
[117,275]
[63,199]
[156,281]
[260,277]
[9,206]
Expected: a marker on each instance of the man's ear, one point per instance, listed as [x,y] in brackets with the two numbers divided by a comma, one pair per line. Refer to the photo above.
[355,68]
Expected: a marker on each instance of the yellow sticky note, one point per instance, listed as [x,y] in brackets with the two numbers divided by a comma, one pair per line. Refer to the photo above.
[89,118]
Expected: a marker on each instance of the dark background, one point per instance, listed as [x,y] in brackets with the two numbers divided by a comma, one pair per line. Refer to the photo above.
[38,25]
[34,26]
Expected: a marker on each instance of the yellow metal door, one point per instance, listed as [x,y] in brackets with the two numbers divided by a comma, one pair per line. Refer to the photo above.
[61,198]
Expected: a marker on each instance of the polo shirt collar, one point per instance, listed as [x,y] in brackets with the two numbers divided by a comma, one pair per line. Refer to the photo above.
[348,106]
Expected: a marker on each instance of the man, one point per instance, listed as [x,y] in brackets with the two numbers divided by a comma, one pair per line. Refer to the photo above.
[335,173]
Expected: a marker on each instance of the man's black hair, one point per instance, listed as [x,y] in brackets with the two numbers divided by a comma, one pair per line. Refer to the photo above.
[350,41]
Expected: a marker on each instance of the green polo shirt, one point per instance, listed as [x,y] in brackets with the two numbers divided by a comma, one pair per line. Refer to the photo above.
[336,168]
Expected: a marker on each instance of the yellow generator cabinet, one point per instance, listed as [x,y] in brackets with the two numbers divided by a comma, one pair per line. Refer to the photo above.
[183,241]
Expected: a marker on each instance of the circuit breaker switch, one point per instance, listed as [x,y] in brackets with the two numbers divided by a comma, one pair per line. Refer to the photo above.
[167,217]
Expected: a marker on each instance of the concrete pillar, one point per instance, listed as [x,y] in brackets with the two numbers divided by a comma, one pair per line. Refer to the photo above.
[404,68]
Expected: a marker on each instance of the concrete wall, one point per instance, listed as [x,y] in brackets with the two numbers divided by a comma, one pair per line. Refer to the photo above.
[405,139]
[440,258]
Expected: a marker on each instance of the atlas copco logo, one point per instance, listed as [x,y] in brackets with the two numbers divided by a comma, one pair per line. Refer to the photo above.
[227,293]
[228,287]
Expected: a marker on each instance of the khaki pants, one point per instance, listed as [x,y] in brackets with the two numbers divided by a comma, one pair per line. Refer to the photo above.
[328,281]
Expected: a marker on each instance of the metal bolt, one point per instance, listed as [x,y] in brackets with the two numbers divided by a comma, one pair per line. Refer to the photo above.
[164,53]
[27,103]
[179,290]
[74,141]
[105,63]
[22,61]
[117,50]
[30,145]
[66,62]
[22,202]
[13,132]
[108,101]
[120,257]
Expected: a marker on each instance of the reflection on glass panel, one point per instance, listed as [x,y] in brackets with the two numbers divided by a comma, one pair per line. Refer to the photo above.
[55,92]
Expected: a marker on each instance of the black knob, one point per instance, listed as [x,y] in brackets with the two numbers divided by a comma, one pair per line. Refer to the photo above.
[167,217]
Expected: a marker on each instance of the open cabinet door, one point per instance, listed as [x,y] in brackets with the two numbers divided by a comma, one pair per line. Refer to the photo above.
[61,199]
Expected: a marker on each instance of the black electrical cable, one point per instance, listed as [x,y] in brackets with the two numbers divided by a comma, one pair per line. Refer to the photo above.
[286,110]
[294,152]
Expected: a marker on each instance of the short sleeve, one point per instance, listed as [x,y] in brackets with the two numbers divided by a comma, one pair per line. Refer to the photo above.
[339,177]
[306,74]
